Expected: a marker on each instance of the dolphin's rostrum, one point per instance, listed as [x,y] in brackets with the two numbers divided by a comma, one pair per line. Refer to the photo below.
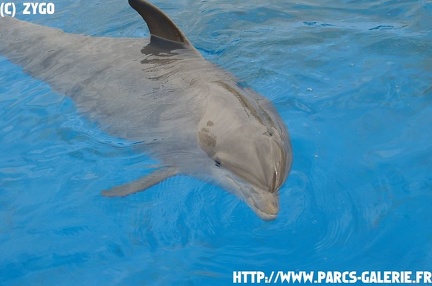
[160,93]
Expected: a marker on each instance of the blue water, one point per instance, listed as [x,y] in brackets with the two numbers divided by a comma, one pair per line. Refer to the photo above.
[352,81]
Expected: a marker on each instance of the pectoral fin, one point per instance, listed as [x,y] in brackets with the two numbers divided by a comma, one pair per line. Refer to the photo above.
[142,183]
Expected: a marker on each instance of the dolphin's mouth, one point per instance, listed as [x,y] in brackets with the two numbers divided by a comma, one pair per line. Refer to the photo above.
[264,215]
[269,212]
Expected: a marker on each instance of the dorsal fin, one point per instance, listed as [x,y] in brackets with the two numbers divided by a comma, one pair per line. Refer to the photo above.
[158,23]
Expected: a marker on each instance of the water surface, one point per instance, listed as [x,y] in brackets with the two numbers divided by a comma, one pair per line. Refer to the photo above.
[352,81]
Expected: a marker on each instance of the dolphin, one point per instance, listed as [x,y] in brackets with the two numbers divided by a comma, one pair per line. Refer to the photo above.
[163,96]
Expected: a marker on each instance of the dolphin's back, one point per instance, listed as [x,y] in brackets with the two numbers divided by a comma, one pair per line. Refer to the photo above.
[35,48]
[113,81]
[21,38]
[51,55]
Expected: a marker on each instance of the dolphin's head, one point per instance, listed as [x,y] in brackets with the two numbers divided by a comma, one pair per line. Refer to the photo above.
[257,166]
[248,145]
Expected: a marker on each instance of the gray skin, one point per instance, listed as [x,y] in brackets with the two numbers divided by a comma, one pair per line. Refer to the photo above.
[162,95]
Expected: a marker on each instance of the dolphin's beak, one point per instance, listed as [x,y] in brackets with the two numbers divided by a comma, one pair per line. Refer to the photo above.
[265,204]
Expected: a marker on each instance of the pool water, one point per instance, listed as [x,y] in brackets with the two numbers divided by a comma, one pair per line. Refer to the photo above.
[351,79]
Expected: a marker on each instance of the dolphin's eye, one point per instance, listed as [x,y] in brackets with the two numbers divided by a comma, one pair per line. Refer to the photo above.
[217,163]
